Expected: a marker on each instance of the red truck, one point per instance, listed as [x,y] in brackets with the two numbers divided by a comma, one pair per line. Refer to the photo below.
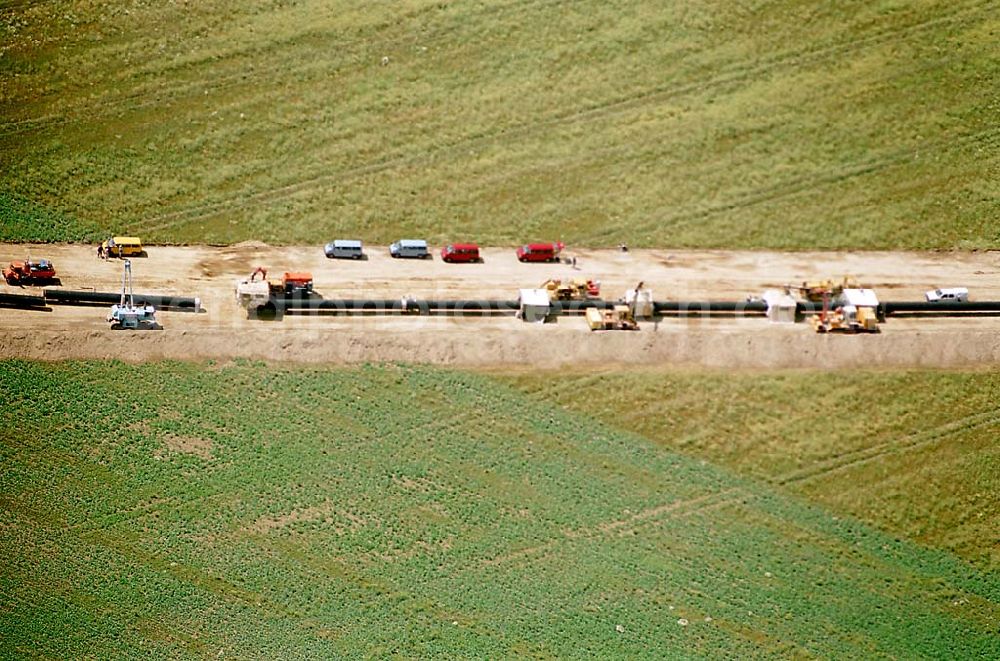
[540,252]
[460,252]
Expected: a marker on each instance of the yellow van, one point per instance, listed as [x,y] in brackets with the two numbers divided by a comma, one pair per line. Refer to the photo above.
[122,246]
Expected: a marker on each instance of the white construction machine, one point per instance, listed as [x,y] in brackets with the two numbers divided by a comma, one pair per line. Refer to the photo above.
[257,297]
[126,314]
[253,294]
[640,301]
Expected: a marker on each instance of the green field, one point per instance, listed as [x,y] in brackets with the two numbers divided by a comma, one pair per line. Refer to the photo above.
[264,511]
[728,123]
[268,512]
[914,453]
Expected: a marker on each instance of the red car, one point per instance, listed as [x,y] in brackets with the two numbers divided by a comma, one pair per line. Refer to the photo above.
[540,252]
[460,252]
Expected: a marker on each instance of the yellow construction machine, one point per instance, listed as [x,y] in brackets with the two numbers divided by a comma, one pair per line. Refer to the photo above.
[617,318]
[577,289]
[815,291]
[622,316]
[847,319]
[856,311]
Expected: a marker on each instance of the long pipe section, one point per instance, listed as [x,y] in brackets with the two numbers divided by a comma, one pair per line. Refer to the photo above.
[680,308]
[70,297]
[944,309]
[708,307]
[294,304]
[21,300]
[395,305]
[941,307]
[298,304]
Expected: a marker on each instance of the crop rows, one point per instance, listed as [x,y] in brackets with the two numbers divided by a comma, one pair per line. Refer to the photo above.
[657,124]
[249,510]
[912,452]
[21,220]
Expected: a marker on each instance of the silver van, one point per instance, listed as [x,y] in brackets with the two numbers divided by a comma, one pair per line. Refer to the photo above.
[344,249]
[416,248]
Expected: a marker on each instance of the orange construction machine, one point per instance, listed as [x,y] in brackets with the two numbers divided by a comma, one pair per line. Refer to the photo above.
[30,272]
[300,284]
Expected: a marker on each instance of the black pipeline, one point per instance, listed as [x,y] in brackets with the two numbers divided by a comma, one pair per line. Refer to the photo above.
[21,301]
[297,304]
[669,308]
[943,308]
[70,297]
[300,305]
[923,308]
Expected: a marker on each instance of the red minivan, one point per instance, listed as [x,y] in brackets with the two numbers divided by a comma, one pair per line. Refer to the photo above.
[540,252]
[460,252]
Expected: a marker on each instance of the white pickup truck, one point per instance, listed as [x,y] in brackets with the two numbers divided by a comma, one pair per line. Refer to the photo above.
[954,294]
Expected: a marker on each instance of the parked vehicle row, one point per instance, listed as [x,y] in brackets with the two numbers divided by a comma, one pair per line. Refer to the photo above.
[451,253]
[128,246]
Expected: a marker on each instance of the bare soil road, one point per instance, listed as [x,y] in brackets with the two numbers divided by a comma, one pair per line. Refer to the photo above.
[223,332]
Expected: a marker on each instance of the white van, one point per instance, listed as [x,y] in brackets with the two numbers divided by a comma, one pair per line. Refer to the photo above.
[952,295]
[416,248]
[344,249]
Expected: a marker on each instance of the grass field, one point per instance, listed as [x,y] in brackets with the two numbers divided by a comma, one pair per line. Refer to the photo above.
[734,124]
[174,509]
[914,453]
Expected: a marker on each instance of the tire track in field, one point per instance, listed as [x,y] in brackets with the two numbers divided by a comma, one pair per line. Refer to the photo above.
[237,78]
[782,189]
[672,510]
[868,454]
[173,92]
[166,94]
[621,527]
[737,74]
[615,106]
[10,5]
[812,181]
[204,578]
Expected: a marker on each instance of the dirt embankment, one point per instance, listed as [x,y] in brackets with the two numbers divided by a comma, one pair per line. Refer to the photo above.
[548,348]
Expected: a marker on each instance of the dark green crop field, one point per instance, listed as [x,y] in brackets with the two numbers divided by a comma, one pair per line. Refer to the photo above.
[244,511]
[728,123]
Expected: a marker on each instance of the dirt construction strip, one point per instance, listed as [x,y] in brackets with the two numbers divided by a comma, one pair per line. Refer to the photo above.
[224,333]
